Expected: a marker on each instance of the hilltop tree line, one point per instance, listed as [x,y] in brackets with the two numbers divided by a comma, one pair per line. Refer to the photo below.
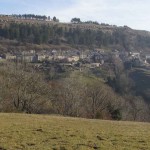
[78,20]
[33,16]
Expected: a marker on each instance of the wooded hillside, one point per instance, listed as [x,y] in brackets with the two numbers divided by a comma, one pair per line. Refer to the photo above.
[78,35]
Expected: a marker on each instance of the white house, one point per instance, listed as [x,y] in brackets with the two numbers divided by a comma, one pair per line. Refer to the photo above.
[73,58]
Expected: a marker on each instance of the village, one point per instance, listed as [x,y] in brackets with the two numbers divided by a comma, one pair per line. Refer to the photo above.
[77,58]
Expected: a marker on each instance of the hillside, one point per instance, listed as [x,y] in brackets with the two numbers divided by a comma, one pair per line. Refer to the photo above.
[142,82]
[28,33]
[36,132]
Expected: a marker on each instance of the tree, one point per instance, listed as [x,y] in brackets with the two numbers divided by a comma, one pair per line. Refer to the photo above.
[121,82]
[115,113]
[148,60]
[54,19]
[75,20]
[67,101]
[138,110]
[23,91]
[49,18]
[98,97]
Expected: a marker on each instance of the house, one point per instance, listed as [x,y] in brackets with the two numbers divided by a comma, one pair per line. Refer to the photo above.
[10,57]
[54,51]
[100,50]
[147,56]
[19,58]
[2,59]
[83,55]
[116,54]
[27,58]
[95,65]
[135,54]
[60,57]
[49,57]
[147,59]
[73,58]
[41,57]
[97,58]
[32,51]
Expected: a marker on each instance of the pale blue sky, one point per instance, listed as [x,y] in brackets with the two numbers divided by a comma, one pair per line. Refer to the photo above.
[133,13]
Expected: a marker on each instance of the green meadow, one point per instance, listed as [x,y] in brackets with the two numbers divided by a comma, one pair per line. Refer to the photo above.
[46,132]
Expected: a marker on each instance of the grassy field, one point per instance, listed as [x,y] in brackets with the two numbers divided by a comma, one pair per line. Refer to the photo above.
[43,132]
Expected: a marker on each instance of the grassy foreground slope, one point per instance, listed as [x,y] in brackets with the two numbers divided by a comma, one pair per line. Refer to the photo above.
[42,132]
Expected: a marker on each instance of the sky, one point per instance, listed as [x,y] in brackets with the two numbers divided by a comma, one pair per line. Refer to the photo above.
[133,13]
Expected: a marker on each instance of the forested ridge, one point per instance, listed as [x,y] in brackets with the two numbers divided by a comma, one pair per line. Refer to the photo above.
[122,38]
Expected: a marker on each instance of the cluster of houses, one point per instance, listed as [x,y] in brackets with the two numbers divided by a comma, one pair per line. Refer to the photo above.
[35,57]
[140,57]
[69,56]
[93,59]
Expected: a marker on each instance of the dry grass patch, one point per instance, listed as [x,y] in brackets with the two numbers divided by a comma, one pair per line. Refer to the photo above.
[43,132]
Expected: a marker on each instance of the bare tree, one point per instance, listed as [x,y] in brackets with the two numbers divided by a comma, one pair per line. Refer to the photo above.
[138,109]
[97,98]
[25,90]
[67,97]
